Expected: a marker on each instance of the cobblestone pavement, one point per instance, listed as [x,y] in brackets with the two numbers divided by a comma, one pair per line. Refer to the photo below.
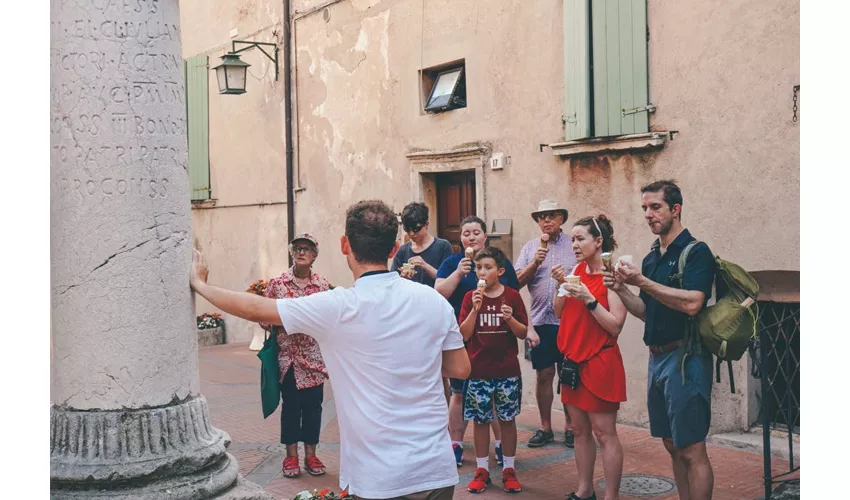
[230,381]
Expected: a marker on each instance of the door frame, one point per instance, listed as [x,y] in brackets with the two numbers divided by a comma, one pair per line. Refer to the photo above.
[425,165]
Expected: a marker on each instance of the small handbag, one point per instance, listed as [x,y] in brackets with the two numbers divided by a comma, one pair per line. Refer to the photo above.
[270,373]
[569,373]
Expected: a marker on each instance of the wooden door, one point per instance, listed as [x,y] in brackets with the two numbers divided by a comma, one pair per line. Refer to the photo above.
[455,200]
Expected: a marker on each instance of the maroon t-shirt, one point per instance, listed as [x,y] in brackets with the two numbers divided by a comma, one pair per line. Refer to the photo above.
[493,347]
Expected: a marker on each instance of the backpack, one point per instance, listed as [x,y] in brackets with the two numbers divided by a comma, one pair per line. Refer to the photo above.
[727,327]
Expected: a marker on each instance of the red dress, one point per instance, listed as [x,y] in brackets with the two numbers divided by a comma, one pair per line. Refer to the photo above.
[581,339]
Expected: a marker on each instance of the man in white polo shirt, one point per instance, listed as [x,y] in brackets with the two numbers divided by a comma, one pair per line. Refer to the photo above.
[387,343]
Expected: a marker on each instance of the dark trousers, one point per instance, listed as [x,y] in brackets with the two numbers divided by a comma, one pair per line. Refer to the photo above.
[301,411]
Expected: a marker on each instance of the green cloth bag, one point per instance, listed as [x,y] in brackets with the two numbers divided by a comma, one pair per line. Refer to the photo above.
[270,373]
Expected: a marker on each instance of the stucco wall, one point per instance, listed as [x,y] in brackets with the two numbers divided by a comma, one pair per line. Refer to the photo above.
[243,234]
[720,74]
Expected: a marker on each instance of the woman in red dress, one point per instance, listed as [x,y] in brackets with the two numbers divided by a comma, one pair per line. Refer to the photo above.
[592,317]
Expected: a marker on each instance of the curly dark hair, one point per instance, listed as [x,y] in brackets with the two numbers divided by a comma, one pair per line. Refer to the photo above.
[371,227]
[606,228]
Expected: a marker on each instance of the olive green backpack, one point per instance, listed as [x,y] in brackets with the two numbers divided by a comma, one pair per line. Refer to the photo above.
[727,327]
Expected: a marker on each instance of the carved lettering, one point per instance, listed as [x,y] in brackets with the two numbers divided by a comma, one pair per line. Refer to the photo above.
[109,187]
[125,6]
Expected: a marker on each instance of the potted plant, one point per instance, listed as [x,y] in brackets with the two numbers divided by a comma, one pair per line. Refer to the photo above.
[210,329]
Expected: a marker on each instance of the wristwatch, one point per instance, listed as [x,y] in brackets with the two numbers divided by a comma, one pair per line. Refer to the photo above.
[592,305]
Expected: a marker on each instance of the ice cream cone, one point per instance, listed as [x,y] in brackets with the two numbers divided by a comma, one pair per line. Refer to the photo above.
[606,260]
[544,240]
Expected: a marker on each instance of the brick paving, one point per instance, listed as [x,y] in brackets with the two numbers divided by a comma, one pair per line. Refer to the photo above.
[230,382]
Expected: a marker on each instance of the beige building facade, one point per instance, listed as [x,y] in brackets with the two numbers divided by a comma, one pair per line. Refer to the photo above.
[717,75]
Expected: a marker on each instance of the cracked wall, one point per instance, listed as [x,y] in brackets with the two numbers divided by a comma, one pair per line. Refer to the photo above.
[720,74]
[122,326]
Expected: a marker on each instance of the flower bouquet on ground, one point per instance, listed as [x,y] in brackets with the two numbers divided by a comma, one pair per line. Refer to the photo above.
[258,287]
[209,320]
[325,494]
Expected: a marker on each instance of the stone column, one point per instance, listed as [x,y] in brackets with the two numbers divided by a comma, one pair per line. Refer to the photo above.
[127,418]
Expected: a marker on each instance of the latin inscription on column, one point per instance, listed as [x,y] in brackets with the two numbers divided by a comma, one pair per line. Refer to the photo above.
[114,130]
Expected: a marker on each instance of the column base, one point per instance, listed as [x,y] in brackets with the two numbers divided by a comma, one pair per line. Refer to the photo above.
[166,452]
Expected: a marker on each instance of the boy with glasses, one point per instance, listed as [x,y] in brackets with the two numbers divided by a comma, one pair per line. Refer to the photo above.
[424,253]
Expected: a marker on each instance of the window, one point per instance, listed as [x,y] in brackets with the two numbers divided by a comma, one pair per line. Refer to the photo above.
[198,125]
[605,68]
[444,87]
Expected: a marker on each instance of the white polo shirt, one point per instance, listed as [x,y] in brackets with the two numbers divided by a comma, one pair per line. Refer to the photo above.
[382,342]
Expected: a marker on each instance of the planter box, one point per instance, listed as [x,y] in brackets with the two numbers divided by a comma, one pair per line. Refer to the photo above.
[210,336]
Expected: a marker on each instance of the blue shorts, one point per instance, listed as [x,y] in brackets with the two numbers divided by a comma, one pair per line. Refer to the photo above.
[480,393]
[546,354]
[681,412]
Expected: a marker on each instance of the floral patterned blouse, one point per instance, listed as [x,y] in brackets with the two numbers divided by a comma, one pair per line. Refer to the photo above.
[297,349]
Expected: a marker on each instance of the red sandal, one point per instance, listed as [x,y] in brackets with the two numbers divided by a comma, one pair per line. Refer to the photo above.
[314,466]
[291,467]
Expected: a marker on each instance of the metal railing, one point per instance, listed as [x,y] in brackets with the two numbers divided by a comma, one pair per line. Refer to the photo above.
[776,361]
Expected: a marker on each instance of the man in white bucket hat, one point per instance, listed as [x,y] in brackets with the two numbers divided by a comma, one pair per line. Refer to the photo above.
[545,255]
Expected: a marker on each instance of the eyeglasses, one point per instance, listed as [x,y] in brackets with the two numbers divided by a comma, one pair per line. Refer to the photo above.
[548,215]
[297,250]
[414,229]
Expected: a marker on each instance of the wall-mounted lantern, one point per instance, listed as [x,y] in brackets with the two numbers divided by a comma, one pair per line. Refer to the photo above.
[232,72]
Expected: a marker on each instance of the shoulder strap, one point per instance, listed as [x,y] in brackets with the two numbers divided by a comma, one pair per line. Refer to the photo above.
[683,258]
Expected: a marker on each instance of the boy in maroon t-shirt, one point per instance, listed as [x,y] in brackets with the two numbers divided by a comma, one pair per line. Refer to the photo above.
[492,318]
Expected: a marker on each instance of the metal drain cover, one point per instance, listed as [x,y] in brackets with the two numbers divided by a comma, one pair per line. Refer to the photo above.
[642,485]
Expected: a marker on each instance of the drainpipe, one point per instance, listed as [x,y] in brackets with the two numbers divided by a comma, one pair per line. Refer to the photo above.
[287,126]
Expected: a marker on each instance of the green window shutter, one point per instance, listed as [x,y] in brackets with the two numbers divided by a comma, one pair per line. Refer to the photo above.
[576,69]
[198,125]
[619,67]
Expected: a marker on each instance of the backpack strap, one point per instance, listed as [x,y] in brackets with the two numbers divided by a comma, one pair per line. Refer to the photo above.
[683,259]
[693,343]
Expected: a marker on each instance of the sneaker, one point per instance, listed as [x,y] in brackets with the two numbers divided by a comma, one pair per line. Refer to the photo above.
[479,482]
[569,439]
[500,459]
[540,438]
[458,454]
[510,481]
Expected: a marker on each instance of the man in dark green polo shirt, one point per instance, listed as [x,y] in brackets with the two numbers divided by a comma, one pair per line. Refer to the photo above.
[679,410]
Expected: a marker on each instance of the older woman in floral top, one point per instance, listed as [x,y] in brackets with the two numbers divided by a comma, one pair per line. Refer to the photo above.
[302,369]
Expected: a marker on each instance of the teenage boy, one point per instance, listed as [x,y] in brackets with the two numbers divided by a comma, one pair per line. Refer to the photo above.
[424,252]
[493,317]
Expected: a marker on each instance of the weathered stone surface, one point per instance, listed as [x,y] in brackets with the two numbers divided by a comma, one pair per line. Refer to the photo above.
[127,420]
[210,336]
[90,447]
[205,483]
[120,225]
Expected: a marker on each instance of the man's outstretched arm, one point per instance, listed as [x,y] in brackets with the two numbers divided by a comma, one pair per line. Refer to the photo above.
[241,304]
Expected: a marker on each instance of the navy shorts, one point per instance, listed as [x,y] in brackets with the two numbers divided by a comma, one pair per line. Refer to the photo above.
[456,385]
[681,412]
[546,354]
